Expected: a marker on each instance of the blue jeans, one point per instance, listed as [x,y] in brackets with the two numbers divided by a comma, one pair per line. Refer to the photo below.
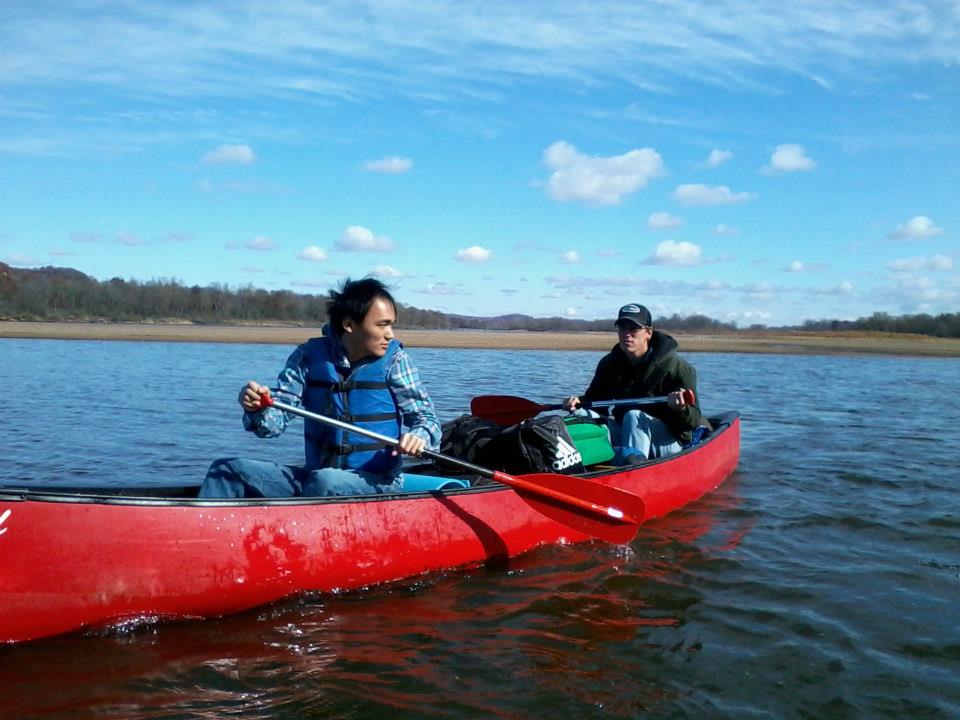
[643,435]
[243,478]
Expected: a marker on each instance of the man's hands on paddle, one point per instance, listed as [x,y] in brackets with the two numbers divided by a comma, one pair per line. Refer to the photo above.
[250,396]
[676,400]
[250,400]
[679,400]
[410,444]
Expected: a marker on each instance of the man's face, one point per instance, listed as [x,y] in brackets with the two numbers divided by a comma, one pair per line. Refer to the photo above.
[371,337]
[634,339]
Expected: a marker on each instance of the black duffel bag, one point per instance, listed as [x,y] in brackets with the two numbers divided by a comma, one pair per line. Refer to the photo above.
[537,445]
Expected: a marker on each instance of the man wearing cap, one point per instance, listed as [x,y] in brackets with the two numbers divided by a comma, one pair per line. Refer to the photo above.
[644,363]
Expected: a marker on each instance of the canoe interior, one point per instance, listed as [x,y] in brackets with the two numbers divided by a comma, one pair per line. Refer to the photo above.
[188,493]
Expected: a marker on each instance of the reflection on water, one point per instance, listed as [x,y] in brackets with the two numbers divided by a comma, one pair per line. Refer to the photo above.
[819,581]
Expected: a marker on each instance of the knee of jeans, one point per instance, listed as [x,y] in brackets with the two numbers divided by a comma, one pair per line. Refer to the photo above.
[319,484]
[219,465]
[633,417]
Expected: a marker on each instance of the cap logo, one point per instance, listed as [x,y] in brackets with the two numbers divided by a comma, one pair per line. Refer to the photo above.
[630,309]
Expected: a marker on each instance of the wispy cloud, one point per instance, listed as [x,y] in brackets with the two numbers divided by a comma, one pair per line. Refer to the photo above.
[20,259]
[725,230]
[798,266]
[178,237]
[698,194]
[439,288]
[230,155]
[85,237]
[923,263]
[259,243]
[188,50]
[129,239]
[392,165]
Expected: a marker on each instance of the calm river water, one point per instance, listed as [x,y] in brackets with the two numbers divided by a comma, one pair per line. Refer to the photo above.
[822,580]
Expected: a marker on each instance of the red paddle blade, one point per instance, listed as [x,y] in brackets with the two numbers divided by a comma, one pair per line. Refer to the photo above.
[597,510]
[504,409]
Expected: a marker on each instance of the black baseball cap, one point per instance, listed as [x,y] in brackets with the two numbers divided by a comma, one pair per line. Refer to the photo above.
[635,313]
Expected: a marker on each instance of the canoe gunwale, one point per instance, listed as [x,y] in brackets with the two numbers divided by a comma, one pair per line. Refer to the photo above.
[180,495]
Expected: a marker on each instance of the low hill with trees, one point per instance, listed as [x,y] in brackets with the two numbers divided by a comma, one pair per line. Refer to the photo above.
[52,293]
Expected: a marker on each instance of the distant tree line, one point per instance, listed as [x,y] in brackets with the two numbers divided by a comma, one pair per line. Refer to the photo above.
[946,325]
[51,293]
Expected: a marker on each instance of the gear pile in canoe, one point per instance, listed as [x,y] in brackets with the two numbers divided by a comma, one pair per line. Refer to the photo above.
[85,558]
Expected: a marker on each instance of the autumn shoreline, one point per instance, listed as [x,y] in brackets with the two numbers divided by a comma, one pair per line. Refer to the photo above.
[775,342]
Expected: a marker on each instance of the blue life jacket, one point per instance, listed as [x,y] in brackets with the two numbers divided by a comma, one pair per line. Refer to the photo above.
[363,399]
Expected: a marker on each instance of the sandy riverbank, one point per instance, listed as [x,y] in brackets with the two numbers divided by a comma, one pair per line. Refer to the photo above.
[845,343]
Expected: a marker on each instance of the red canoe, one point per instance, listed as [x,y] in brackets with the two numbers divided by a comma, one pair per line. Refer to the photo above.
[72,559]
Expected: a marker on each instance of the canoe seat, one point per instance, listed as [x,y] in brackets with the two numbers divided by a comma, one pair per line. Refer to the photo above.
[425,483]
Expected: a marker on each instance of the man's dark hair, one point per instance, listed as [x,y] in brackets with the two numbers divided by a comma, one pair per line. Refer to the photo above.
[353,301]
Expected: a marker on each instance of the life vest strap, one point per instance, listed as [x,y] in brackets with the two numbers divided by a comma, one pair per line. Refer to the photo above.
[344,386]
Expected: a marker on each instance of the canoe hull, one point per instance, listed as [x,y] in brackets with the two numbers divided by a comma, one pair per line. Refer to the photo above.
[78,561]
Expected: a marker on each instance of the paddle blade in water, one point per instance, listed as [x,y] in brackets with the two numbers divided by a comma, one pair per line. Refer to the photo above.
[597,510]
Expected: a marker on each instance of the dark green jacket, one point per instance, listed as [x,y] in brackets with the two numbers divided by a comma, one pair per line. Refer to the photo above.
[660,372]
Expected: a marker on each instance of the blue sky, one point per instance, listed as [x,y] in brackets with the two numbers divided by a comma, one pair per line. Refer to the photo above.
[755,162]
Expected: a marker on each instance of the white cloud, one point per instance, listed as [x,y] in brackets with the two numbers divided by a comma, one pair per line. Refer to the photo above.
[178,237]
[570,257]
[570,312]
[357,238]
[597,180]
[916,229]
[127,238]
[789,157]
[230,155]
[260,243]
[663,221]
[717,158]
[672,252]
[438,288]
[86,237]
[385,271]
[725,230]
[921,264]
[844,288]
[473,254]
[698,194]
[20,259]
[313,253]
[392,165]
[803,267]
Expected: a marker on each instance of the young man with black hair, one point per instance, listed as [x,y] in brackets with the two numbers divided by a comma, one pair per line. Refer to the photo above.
[357,373]
[644,363]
